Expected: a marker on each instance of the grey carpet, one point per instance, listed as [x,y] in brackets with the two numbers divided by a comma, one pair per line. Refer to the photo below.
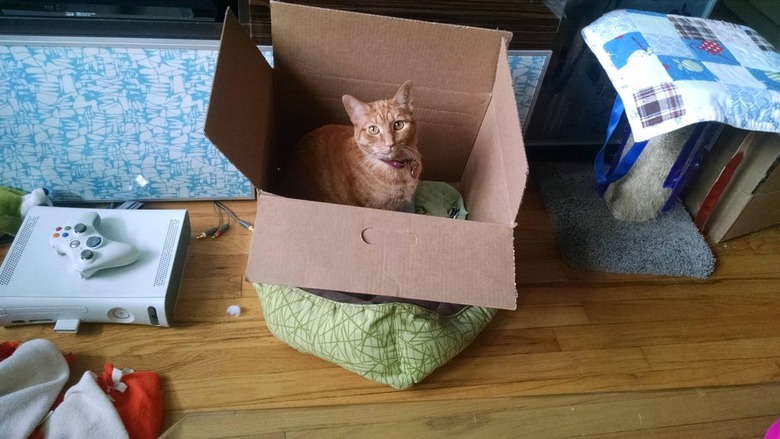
[590,238]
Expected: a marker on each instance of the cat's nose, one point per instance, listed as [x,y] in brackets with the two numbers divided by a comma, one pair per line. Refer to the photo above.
[388,141]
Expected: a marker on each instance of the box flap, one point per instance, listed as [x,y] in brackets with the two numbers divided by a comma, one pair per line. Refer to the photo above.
[771,182]
[238,121]
[770,158]
[763,210]
[380,252]
[450,96]
[495,196]
[760,159]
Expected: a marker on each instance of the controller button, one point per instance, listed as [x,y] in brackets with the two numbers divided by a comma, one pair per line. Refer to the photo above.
[94,241]
[56,235]
[58,229]
[67,227]
[65,234]
[75,243]
[80,228]
[86,255]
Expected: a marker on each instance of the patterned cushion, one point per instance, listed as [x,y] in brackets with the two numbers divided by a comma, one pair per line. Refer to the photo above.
[397,344]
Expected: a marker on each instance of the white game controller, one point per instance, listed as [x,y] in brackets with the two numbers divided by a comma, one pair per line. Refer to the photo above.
[88,250]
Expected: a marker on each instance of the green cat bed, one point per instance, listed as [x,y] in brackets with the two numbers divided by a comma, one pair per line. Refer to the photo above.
[397,344]
[391,341]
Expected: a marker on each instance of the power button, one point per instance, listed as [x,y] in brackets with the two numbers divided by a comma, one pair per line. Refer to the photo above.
[120,313]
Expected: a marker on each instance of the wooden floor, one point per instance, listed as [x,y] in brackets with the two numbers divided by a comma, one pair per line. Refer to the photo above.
[574,332]
[712,413]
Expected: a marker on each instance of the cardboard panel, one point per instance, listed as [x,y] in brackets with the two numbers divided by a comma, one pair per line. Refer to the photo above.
[510,135]
[482,186]
[450,100]
[240,110]
[760,161]
[762,211]
[370,251]
[771,183]
[495,177]
[391,50]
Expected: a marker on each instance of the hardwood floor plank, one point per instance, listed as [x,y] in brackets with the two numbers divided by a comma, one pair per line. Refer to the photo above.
[541,317]
[544,366]
[497,340]
[571,292]
[747,267]
[637,334]
[747,428]
[765,242]
[688,413]
[683,308]
[740,349]
[197,310]
[691,375]
[539,270]
[208,265]
[210,287]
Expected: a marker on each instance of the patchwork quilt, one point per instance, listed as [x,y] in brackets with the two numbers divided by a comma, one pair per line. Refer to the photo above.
[671,71]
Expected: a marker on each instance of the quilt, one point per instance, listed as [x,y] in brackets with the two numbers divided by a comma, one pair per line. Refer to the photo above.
[672,71]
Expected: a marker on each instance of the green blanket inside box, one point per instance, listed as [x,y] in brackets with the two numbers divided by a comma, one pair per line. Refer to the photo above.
[397,343]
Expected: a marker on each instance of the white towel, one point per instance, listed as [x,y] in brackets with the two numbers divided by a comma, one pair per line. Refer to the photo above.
[86,413]
[30,381]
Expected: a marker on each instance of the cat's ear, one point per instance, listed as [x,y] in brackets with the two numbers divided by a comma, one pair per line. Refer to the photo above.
[404,96]
[355,108]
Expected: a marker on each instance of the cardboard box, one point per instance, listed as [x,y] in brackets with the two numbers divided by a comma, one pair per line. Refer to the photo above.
[469,133]
[744,166]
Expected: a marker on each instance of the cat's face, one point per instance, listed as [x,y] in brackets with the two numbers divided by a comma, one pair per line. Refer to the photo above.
[385,130]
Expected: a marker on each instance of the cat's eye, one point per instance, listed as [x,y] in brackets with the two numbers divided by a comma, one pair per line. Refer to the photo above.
[373,130]
[398,125]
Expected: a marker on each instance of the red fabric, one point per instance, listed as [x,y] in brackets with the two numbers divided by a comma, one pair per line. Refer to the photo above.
[716,191]
[7,348]
[711,47]
[140,405]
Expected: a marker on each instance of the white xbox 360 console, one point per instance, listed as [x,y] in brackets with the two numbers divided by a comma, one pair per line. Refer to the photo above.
[71,265]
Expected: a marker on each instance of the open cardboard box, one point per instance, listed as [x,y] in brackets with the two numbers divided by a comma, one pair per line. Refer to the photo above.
[469,134]
[750,197]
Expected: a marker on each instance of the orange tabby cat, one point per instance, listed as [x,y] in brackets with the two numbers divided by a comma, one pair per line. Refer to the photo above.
[374,163]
